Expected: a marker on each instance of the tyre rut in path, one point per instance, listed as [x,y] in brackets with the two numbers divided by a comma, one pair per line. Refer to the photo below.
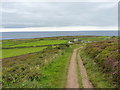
[72,81]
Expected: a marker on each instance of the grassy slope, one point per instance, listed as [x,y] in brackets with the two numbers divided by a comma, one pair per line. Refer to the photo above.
[19,51]
[94,73]
[42,69]
[101,60]
[56,72]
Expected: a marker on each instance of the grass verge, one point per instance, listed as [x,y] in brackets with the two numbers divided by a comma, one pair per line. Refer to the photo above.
[94,73]
[78,73]
[55,74]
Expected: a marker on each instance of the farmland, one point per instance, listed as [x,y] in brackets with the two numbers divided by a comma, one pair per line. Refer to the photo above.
[29,42]
[39,43]
[9,43]
[44,62]
[14,51]
[99,38]
[19,51]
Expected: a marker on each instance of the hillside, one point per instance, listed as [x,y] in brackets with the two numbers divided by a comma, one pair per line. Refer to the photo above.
[105,54]
[49,62]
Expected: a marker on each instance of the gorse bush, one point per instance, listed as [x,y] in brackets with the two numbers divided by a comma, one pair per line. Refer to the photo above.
[106,55]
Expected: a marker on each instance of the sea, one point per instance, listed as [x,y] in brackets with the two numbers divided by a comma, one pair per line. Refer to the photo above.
[41,34]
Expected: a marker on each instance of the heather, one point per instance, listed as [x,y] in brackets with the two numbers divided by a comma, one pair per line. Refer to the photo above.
[106,55]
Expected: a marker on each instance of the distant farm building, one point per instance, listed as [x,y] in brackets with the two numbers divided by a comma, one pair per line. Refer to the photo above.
[69,42]
[75,40]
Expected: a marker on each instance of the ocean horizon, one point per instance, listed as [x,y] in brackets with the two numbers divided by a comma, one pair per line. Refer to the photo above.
[42,34]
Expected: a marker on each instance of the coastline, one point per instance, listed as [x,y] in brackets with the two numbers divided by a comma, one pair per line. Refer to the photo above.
[30,35]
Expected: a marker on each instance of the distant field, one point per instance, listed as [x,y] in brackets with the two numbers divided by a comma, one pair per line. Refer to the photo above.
[94,38]
[9,43]
[24,43]
[39,43]
[19,51]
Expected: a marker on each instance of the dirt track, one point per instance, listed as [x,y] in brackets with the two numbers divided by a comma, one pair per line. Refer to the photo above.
[72,80]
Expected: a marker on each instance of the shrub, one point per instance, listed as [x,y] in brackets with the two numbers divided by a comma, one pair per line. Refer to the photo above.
[106,55]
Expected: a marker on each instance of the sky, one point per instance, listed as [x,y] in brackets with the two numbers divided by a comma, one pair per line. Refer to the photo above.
[31,15]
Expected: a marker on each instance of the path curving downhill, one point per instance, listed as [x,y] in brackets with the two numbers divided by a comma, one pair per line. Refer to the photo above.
[72,80]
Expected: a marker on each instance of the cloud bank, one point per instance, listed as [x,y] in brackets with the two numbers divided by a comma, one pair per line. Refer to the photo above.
[58,14]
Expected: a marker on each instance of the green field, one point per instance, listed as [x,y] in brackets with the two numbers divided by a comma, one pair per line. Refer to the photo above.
[19,51]
[25,43]
[39,70]
[98,38]
[39,43]
[9,43]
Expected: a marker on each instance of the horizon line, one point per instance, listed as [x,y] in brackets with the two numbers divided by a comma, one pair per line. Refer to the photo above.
[79,28]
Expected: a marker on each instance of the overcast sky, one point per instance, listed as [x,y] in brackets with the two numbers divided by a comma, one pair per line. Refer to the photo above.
[59,14]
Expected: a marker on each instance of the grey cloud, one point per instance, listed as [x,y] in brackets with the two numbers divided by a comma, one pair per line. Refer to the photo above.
[17,15]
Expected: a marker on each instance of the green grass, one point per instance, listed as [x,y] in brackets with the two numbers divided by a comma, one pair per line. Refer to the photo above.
[19,51]
[39,43]
[99,38]
[106,55]
[9,43]
[24,71]
[46,69]
[79,73]
[55,74]
[94,73]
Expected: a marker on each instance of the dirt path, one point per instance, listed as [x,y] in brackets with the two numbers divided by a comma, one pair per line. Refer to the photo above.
[86,83]
[72,81]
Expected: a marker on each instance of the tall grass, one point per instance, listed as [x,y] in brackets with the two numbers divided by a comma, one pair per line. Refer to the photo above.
[94,72]
[55,74]
[45,69]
